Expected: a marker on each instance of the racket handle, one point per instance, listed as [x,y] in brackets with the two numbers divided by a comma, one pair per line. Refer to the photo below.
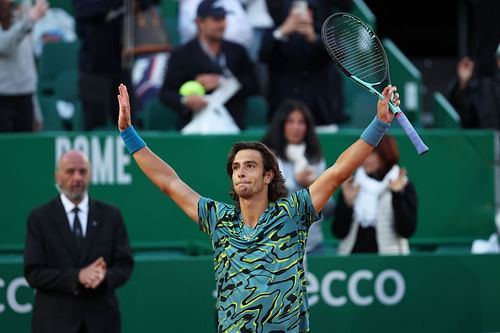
[411,133]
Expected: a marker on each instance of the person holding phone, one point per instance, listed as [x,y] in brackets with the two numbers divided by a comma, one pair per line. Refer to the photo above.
[298,65]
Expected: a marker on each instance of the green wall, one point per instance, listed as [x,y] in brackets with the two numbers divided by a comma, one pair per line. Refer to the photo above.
[171,287]
[454,181]
[359,294]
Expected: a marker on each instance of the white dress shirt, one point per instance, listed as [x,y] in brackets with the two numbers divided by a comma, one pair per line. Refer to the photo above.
[83,212]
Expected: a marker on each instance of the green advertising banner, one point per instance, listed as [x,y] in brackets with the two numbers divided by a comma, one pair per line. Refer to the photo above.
[454,180]
[359,294]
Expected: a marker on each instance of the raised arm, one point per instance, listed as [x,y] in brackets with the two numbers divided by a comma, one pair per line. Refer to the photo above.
[158,171]
[324,186]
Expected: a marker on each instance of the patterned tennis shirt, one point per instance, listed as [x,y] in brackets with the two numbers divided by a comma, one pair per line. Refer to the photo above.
[259,271]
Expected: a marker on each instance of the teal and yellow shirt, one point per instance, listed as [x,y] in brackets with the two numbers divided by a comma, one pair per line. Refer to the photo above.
[259,271]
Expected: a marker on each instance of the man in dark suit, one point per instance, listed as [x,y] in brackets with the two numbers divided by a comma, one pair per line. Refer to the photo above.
[76,253]
[208,59]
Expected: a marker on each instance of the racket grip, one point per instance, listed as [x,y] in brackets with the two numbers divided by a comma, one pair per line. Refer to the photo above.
[411,133]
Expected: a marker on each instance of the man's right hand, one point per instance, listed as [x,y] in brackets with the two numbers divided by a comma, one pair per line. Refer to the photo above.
[124,119]
[350,191]
[383,112]
[209,81]
[39,10]
[195,103]
[92,275]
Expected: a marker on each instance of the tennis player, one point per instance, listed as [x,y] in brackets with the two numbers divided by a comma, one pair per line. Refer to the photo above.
[259,241]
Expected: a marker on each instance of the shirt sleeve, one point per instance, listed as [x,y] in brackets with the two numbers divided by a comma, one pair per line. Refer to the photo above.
[405,206]
[302,208]
[12,37]
[206,215]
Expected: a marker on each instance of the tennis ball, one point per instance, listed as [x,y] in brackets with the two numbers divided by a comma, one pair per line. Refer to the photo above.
[191,88]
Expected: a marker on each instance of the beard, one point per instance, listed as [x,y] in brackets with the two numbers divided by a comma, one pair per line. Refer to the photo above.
[71,195]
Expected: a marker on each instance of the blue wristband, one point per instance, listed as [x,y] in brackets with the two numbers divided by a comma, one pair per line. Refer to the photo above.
[132,140]
[374,132]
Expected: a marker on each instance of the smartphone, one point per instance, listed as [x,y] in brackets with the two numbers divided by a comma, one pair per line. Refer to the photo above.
[300,7]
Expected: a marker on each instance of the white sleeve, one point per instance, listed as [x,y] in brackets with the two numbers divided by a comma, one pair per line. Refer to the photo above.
[187,17]
[11,38]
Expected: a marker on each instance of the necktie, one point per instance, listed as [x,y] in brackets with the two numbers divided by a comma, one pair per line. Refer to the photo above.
[77,228]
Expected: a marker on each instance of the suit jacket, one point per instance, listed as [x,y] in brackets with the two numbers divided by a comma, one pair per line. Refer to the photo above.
[189,60]
[52,262]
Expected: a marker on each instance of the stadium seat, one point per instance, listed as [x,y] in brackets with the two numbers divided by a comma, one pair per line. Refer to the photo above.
[66,85]
[359,105]
[169,10]
[56,58]
[158,117]
[444,114]
[257,110]
[66,89]
[51,119]
[67,5]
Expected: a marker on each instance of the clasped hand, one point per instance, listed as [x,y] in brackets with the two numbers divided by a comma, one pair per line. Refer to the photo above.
[93,275]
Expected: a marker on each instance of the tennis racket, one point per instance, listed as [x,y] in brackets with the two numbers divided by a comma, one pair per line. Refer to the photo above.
[361,56]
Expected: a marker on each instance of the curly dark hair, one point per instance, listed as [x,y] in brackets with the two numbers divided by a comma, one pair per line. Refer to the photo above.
[277,187]
[275,135]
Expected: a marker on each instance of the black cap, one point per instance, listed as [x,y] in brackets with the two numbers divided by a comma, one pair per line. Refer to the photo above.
[211,8]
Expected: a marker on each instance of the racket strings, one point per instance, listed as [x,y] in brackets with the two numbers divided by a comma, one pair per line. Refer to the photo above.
[355,48]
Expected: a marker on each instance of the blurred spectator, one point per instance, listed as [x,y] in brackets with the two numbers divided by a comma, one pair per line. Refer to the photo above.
[56,26]
[102,65]
[476,99]
[213,62]
[483,34]
[324,8]
[18,73]
[376,211]
[238,28]
[298,64]
[292,138]
[260,21]
[148,74]
[150,52]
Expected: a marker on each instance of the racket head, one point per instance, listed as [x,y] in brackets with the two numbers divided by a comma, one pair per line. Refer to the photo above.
[356,49]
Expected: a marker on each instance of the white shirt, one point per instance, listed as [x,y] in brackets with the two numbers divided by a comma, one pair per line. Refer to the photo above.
[257,13]
[238,28]
[83,212]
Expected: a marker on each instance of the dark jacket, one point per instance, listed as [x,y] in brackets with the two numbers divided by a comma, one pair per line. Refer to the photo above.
[52,262]
[189,60]
[404,206]
[479,103]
